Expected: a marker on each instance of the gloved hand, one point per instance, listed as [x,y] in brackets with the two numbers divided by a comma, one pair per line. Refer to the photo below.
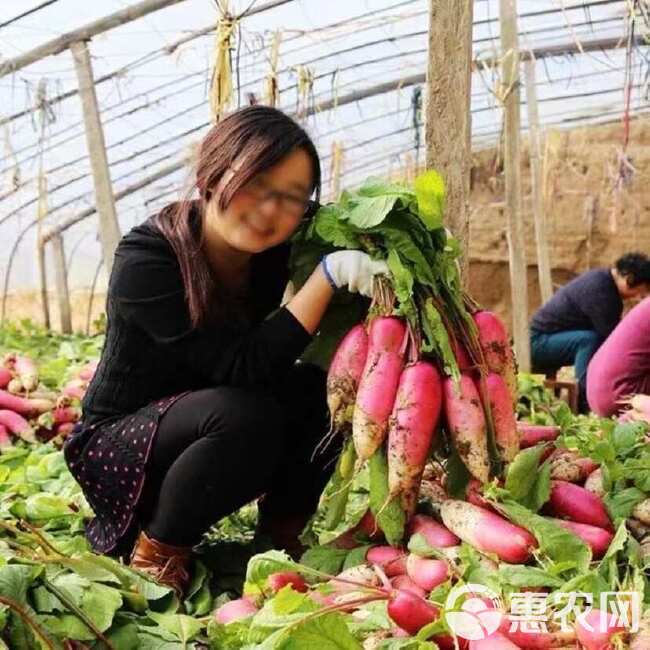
[354,269]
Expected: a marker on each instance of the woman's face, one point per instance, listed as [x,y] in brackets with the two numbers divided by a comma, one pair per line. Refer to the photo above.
[266,211]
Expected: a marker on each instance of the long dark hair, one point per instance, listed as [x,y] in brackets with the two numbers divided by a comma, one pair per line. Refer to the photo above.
[257,137]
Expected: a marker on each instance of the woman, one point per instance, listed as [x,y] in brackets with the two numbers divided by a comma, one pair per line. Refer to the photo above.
[197,406]
[572,325]
[621,367]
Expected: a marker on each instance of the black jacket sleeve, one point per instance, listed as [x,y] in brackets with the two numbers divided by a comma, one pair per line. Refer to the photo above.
[147,287]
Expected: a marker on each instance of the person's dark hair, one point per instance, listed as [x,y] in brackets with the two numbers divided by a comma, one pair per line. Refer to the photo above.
[635,267]
[256,137]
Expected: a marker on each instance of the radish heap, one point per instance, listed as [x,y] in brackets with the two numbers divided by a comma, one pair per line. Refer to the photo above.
[28,411]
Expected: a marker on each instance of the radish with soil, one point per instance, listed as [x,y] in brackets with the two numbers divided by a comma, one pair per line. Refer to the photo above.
[488,532]
[412,424]
[467,425]
[378,385]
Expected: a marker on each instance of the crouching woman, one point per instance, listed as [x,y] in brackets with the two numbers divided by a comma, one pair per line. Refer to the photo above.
[198,405]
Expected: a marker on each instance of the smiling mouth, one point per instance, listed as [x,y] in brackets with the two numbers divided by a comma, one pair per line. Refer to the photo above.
[262,232]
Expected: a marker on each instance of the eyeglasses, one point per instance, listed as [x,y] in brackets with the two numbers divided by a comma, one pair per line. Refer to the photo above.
[290,204]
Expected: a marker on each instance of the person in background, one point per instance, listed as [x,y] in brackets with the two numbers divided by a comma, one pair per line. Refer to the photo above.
[198,405]
[572,325]
[621,367]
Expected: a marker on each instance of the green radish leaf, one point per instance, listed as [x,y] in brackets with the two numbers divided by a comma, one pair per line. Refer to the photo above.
[532,494]
[436,333]
[621,504]
[389,514]
[558,544]
[370,211]
[183,627]
[327,632]
[325,558]
[430,193]
[519,575]
[261,566]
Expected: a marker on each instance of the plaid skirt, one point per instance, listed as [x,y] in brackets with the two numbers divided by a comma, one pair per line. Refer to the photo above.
[109,461]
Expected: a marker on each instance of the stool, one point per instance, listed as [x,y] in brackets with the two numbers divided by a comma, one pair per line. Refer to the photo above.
[563,389]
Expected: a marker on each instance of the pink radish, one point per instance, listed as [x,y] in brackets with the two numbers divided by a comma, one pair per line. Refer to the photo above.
[15,403]
[532,434]
[5,438]
[467,425]
[88,371]
[569,501]
[495,641]
[426,573]
[5,377]
[280,579]
[234,610]
[24,368]
[488,532]
[474,495]
[595,630]
[410,430]
[569,466]
[17,425]
[344,375]
[594,483]
[66,414]
[76,388]
[598,539]
[534,640]
[39,406]
[392,560]
[64,429]
[495,344]
[446,642]
[503,416]
[404,582]
[410,612]
[15,387]
[435,534]
[378,385]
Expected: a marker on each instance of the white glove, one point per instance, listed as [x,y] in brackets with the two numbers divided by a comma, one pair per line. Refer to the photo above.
[354,269]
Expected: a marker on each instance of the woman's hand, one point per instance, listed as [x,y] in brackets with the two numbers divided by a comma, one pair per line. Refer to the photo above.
[354,270]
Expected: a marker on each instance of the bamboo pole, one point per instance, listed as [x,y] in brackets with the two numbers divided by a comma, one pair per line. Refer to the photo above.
[539,216]
[61,281]
[512,160]
[449,85]
[109,230]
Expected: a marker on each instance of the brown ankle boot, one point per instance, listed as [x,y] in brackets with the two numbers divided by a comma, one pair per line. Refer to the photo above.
[167,564]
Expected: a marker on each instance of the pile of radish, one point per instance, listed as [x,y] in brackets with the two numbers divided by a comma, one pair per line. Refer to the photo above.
[29,410]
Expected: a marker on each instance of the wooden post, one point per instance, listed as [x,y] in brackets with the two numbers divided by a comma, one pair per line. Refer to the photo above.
[512,161]
[109,230]
[61,281]
[42,281]
[539,216]
[40,245]
[448,123]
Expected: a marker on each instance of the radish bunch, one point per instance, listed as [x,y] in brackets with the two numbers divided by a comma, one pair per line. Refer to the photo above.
[29,411]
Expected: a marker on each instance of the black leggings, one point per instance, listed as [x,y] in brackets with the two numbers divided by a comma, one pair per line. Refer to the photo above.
[219,448]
